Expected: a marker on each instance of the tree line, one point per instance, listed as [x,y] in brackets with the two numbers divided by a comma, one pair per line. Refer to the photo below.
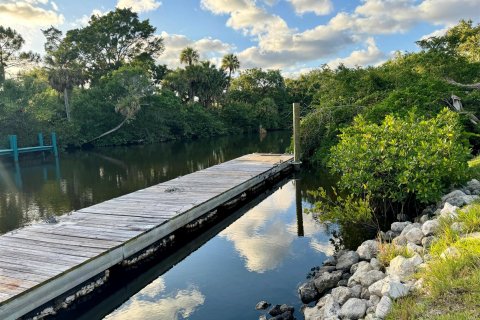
[102,84]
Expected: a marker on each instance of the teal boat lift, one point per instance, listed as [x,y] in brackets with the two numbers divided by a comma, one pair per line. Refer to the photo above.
[15,151]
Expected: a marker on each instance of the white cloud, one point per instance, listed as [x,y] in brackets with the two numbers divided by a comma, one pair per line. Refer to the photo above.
[139,5]
[319,7]
[28,14]
[208,48]
[225,6]
[436,33]
[369,56]
[54,6]
[27,18]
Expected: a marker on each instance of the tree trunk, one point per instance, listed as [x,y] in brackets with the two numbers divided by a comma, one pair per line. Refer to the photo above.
[67,104]
[109,131]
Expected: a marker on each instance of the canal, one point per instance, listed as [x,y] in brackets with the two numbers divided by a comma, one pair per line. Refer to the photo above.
[261,251]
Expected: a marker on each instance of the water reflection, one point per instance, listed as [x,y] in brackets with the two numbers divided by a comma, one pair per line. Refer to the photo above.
[152,303]
[36,189]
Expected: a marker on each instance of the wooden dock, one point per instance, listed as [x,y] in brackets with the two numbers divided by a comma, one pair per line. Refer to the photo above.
[41,262]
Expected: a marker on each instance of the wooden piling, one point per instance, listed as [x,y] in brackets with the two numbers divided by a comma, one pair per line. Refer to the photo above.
[296,134]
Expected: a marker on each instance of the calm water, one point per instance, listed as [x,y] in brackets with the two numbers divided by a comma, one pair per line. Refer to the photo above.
[261,251]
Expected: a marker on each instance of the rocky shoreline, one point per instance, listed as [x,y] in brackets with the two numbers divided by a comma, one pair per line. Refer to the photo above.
[356,285]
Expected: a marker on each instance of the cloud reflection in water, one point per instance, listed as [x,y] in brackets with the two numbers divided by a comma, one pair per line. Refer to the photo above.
[150,304]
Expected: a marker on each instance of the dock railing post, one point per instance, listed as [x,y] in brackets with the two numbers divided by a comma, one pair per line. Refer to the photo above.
[54,144]
[14,147]
[41,143]
[296,135]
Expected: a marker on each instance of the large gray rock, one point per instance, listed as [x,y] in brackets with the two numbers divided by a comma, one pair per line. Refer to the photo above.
[331,308]
[356,291]
[410,227]
[414,235]
[341,294]
[430,227]
[376,265]
[449,211]
[401,240]
[354,308]
[399,226]
[313,313]
[383,307]
[327,280]
[370,277]
[458,198]
[427,241]
[368,249]
[374,299]
[473,185]
[413,248]
[458,227]
[346,260]
[308,292]
[376,287]
[404,267]
[364,266]
[394,289]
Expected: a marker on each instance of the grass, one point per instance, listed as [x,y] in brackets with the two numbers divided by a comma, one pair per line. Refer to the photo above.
[451,287]
[388,251]
[474,166]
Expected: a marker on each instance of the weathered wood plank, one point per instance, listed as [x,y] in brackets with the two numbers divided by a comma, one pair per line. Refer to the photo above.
[40,262]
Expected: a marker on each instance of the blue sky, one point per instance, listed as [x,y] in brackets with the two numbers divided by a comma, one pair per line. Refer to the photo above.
[291,35]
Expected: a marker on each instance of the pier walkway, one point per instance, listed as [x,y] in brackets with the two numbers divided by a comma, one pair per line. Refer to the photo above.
[41,262]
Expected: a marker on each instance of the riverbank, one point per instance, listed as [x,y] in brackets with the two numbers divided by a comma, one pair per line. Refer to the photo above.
[425,269]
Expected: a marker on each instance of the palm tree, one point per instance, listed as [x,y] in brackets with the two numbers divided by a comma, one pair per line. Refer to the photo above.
[230,62]
[189,56]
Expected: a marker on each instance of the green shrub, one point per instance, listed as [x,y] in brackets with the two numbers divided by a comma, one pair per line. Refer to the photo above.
[401,159]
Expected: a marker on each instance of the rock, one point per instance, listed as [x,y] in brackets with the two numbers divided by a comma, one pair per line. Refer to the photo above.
[360,269]
[458,227]
[427,241]
[356,291]
[473,185]
[413,248]
[330,261]
[368,249]
[370,277]
[458,198]
[450,253]
[449,211]
[275,310]
[376,287]
[262,317]
[410,227]
[313,313]
[365,295]
[403,267]
[376,265]
[342,283]
[321,302]
[430,227]
[389,235]
[399,226]
[424,218]
[383,307]
[354,308]
[394,289]
[327,281]
[374,299]
[286,308]
[346,275]
[346,260]
[341,294]
[262,305]
[400,241]
[414,235]
[308,292]
[331,308]
[364,266]
[287,315]
[402,217]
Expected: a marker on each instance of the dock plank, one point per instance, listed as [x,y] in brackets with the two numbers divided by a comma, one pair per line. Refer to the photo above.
[40,262]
